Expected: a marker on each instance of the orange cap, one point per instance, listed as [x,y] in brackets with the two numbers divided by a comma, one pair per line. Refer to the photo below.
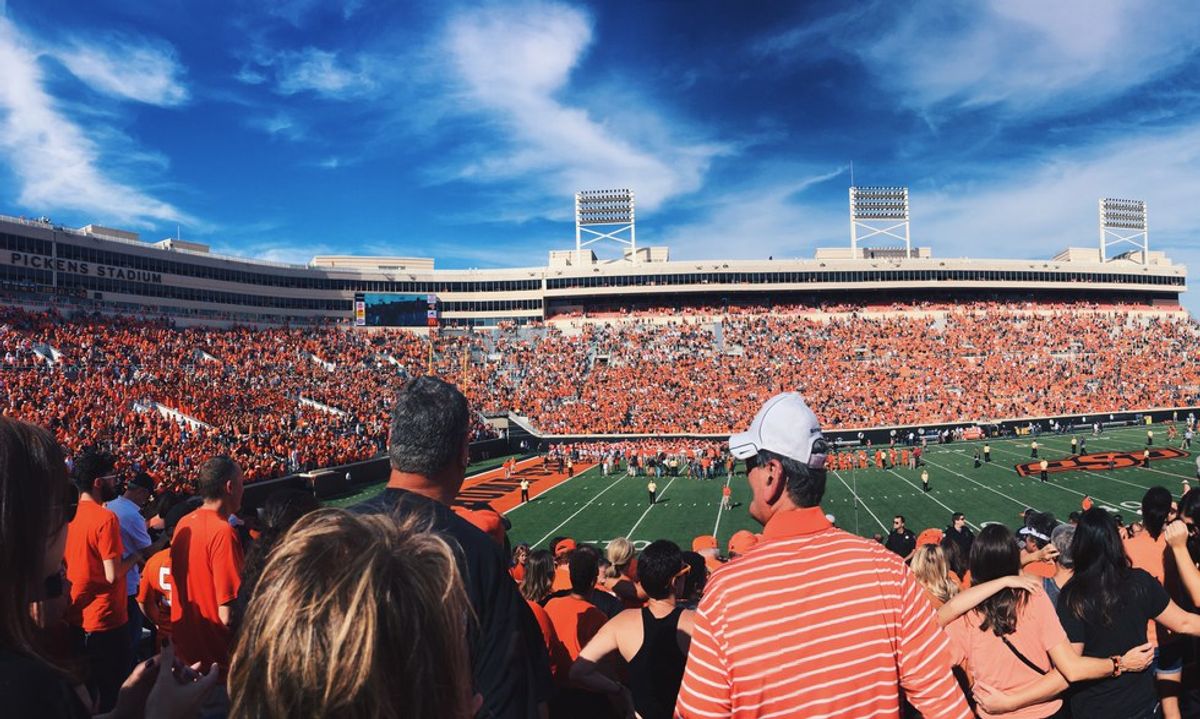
[704,541]
[1086,503]
[741,541]
[930,536]
[564,546]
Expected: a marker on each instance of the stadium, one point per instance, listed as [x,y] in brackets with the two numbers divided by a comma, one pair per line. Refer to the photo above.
[604,386]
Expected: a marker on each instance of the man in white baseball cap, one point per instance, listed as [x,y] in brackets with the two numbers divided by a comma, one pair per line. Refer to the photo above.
[785,430]
[807,584]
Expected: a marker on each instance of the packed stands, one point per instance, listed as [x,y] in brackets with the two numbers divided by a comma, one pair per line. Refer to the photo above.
[287,399]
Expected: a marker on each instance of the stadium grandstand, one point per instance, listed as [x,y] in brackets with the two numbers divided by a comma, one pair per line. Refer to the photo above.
[596,417]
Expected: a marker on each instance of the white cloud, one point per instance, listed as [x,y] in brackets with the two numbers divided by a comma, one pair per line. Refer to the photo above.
[127,68]
[321,72]
[1015,56]
[250,76]
[55,163]
[1022,210]
[280,124]
[557,146]
[1039,207]
[298,12]
[770,217]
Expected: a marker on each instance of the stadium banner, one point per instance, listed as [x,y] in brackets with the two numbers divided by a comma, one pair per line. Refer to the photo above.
[360,313]
[1099,461]
[80,267]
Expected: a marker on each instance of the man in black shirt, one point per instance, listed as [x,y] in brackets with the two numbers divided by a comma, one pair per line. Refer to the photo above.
[901,541]
[959,533]
[429,454]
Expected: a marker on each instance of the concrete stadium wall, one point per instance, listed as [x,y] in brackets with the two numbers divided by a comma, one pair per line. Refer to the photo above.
[331,481]
[882,435]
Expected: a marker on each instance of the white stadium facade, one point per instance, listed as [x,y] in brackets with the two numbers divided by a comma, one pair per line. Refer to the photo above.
[116,270]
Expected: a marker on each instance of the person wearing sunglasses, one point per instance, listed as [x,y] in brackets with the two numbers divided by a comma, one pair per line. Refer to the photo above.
[654,639]
[811,620]
[97,568]
[37,504]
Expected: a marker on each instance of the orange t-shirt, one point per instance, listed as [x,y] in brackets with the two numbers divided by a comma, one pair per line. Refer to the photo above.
[155,588]
[1149,554]
[206,565]
[92,537]
[517,571]
[575,622]
[990,661]
[562,578]
[560,663]
[1045,570]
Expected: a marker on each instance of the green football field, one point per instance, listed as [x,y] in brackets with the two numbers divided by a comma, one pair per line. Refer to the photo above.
[594,508]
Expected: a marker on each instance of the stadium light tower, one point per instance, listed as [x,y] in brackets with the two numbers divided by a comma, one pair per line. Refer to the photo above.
[1123,222]
[605,209]
[879,211]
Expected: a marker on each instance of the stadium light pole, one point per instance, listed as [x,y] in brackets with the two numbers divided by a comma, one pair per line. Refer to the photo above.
[1124,222]
[879,211]
[606,209]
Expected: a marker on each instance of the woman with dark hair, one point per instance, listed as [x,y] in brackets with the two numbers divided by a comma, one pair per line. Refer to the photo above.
[535,588]
[37,501]
[1183,538]
[539,577]
[653,639]
[1013,639]
[1104,610]
[282,509]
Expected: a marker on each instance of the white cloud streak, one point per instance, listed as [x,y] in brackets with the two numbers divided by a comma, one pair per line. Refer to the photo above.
[1012,56]
[128,68]
[543,139]
[55,163]
[323,73]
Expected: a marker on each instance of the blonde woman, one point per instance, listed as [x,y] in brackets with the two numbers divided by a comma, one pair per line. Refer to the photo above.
[620,578]
[355,616]
[932,571]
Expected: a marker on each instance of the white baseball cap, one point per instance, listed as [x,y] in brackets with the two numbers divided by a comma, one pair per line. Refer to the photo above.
[785,425]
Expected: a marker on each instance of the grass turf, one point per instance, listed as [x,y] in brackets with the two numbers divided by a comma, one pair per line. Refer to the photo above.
[594,508]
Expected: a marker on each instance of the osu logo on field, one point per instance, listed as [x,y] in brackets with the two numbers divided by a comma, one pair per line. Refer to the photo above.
[1099,461]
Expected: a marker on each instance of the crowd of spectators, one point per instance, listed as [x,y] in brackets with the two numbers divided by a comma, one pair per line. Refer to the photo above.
[402,606]
[281,400]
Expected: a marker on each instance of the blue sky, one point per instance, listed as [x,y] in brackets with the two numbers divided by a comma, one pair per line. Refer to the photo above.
[462,130]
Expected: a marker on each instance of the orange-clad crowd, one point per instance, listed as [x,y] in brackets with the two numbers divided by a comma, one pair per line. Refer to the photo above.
[287,399]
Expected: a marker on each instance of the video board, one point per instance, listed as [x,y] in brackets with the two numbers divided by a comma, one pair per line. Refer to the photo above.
[395,310]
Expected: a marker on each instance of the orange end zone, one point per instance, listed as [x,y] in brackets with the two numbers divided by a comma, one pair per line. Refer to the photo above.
[504,494]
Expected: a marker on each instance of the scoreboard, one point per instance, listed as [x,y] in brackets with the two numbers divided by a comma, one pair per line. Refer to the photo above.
[395,310]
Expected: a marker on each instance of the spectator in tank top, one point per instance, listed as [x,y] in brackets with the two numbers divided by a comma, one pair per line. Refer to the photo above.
[653,639]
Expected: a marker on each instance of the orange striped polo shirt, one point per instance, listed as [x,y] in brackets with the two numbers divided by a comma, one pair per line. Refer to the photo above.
[815,622]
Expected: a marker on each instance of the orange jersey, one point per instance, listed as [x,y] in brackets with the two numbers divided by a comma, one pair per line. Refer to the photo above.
[92,537]
[155,588]
[206,564]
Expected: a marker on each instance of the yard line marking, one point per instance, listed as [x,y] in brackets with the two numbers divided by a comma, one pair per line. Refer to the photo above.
[577,511]
[1065,489]
[925,494]
[548,491]
[659,498]
[860,501]
[1012,499]
[719,508]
